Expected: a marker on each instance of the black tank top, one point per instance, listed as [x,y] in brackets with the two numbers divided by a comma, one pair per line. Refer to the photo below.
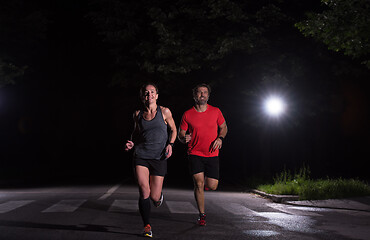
[152,137]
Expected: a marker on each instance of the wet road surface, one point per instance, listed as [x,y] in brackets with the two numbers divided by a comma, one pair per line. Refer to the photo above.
[110,212]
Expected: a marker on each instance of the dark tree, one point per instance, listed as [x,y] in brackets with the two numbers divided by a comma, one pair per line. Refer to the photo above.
[172,38]
[343,26]
[23,27]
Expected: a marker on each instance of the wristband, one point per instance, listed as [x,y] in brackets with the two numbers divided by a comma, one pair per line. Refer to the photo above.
[222,138]
[171,144]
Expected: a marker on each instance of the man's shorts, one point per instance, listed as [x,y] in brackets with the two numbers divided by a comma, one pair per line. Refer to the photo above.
[156,167]
[208,165]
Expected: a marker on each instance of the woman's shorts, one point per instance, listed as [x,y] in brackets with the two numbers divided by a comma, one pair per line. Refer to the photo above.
[156,167]
[208,165]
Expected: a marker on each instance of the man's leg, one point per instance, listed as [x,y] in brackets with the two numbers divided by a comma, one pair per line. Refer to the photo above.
[198,179]
[211,183]
[212,173]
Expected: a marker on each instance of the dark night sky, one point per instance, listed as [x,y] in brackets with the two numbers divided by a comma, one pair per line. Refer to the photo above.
[64,120]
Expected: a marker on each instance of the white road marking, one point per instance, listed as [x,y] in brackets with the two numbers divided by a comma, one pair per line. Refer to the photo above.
[296,210]
[124,206]
[238,209]
[65,206]
[181,207]
[109,192]
[11,205]
[290,222]
[261,233]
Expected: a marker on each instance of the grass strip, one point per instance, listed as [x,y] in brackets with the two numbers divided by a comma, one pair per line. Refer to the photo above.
[300,184]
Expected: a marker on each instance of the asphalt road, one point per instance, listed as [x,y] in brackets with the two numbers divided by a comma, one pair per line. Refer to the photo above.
[110,212]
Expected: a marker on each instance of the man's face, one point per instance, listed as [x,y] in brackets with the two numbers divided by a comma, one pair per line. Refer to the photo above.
[201,96]
[150,94]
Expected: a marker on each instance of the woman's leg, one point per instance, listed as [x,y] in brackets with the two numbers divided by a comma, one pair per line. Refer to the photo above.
[142,176]
[156,184]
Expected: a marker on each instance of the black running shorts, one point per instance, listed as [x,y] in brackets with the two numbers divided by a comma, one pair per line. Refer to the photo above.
[156,167]
[208,165]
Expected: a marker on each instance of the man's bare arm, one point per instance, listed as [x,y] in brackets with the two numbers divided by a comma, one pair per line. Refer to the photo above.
[222,131]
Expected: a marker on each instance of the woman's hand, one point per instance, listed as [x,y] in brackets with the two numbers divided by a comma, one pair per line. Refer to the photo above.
[129,145]
[168,152]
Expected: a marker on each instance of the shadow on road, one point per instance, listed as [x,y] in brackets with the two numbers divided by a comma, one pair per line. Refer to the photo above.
[81,227]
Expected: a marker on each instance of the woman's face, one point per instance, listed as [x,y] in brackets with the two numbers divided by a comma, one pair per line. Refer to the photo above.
[150,94]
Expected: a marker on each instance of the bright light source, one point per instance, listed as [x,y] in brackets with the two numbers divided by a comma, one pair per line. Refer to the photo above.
[274,106]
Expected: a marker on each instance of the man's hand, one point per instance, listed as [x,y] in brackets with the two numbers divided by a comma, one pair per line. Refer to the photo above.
[129,145]
[217,144]
[187,137]
[183,137]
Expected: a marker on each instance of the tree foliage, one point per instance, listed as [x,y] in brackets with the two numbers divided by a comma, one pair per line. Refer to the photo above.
[9,73]
[23,27]
[179,37]
[342,26]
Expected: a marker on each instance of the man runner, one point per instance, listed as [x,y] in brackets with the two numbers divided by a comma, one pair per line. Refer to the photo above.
[206,129]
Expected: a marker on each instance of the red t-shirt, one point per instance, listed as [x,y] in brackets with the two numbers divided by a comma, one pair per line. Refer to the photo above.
[203,127]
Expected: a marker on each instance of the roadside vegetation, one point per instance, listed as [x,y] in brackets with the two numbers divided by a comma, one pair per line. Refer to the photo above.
[306,188]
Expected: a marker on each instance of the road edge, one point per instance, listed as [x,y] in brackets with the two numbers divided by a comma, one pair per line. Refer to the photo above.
[274,197]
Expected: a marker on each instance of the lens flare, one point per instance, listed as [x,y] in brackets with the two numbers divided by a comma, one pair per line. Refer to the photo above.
[274,106]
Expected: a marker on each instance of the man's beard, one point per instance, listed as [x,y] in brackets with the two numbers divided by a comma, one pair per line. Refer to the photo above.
[202,101]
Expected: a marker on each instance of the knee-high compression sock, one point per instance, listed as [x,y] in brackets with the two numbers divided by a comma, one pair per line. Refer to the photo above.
[144,208]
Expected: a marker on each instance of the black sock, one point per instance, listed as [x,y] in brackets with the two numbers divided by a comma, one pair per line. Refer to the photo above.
[144,207]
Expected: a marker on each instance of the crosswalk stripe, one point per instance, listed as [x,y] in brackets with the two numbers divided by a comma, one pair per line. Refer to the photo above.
[129,206]
[110,192]
[293,210]
[65,206]
[181,207]
[124,206]
[11,205]
[238,209]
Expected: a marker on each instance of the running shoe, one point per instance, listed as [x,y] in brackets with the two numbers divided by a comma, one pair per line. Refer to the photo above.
[159,202]
[148,231]
[202,219]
